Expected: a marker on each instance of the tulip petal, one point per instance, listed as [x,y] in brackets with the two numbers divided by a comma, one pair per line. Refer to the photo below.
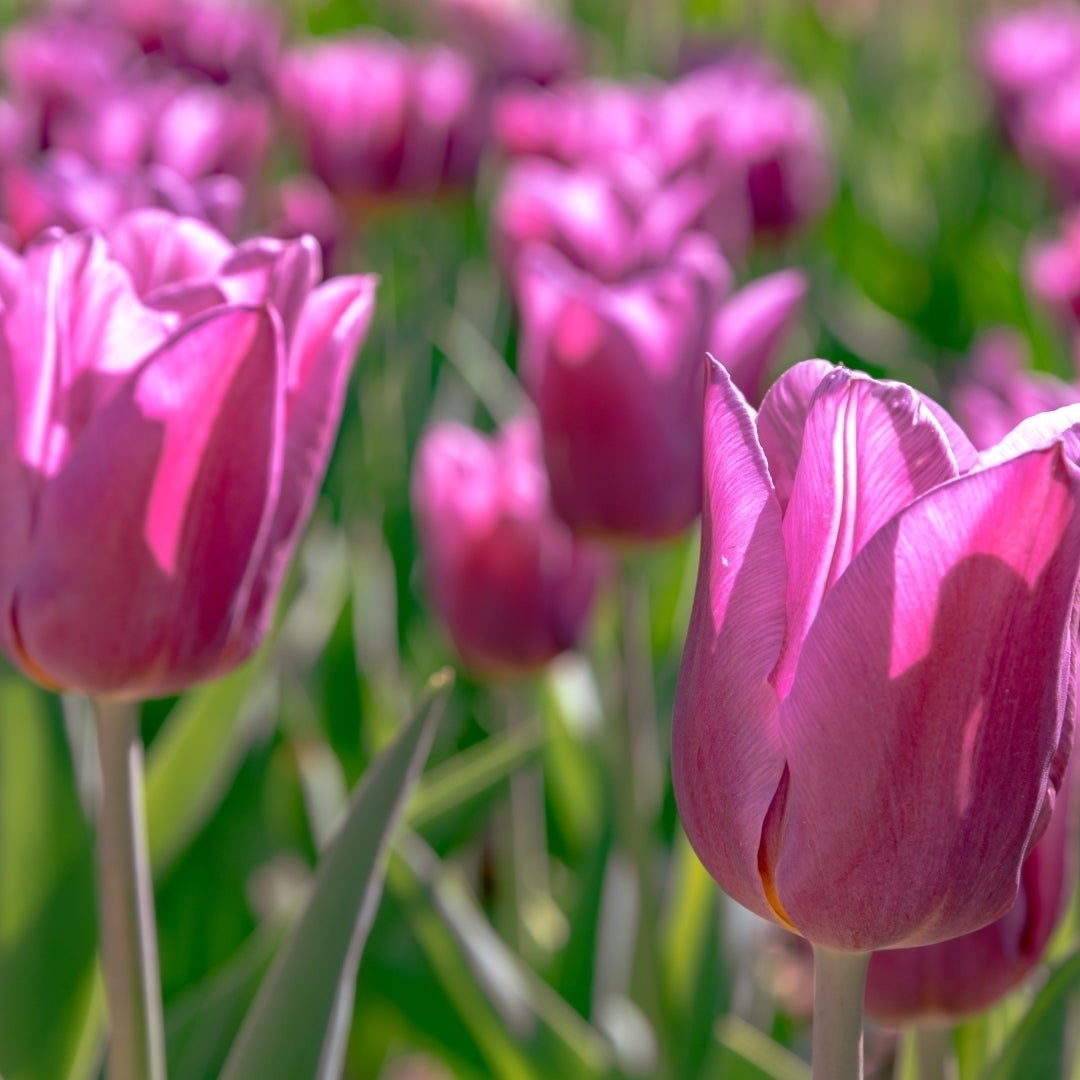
[160,249]
[868,450]
[781,420]
[331,329]
[926,711]
[727,757]
[150,530]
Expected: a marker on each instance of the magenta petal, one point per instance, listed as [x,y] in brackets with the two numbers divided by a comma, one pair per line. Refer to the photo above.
[782,417]
[331,329]
[190,448]
[868,450]
[950,624]
[727,758]
[160,249]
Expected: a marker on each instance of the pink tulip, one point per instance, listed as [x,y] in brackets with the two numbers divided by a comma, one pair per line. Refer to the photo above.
[998,389]
[750,326]
[875,705]
[615,372]
[376,117]
[512,584]
[970,973]
[164,438]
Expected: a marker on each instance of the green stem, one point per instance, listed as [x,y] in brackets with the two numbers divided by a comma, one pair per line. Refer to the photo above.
[635,754]
[839,982]
[933,1049]
[126,901]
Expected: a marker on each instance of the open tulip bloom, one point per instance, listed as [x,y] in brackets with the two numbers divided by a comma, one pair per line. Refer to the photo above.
[876,699]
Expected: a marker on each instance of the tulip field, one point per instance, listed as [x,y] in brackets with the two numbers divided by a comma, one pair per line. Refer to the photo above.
[539,540]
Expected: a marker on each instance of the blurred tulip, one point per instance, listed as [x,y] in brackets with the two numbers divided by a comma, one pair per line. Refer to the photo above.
[512,584]
[375,117]
[1046,133]
[1053,274]
[164,437]
[876,699]
[970,973]
[513,41]
[615,372]
[998,389]
[302,204]
[751,324]
[1022,52]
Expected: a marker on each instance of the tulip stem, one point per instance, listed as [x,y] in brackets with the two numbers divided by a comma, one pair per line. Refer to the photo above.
[839,982]
[933,1050]
[126,901]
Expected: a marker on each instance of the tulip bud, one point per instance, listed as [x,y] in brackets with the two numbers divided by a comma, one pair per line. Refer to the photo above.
[511,583]
[163,440]
[876,700]
[615,372]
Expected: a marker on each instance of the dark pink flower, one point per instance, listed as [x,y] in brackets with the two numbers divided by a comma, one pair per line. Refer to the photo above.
[375,117]
[164,437]
[512,584]
[876,701]
[615,371]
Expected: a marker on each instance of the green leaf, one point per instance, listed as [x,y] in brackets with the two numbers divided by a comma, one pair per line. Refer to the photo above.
[294,1030]
[197,753]
[744,1053]
[1037,1046]
[48,925]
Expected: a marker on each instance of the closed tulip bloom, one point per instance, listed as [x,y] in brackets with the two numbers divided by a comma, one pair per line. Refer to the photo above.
[512,584]
[970,973]
[615,373]
[163,442]
[876,699]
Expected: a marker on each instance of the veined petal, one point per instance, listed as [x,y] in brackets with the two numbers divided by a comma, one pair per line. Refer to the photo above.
[1038,431]
[869,449]
[191,448]
[782,417]
[727,757]
[927,711]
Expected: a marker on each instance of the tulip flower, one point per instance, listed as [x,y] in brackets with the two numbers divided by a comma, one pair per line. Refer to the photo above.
[512,584]
[875,704]
[997,389]
[615,373]
[970,973]
[375,117]
[169,404]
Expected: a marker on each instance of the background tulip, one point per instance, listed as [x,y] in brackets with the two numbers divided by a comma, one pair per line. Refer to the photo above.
[512,584]
[615,373]
[162,448]
[875,703]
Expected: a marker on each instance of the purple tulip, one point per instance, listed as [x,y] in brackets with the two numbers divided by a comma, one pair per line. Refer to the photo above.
[615,372]
[970,973]
[510,581]
[163,441]
[377,118]
[750,326]
[998,389]
[875,704]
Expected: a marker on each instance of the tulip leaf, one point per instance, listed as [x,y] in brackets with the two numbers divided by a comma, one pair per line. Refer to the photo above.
[196,754]
[744,1053]
[48,931]
[1037,1047]
[291,1031]
[472,772]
